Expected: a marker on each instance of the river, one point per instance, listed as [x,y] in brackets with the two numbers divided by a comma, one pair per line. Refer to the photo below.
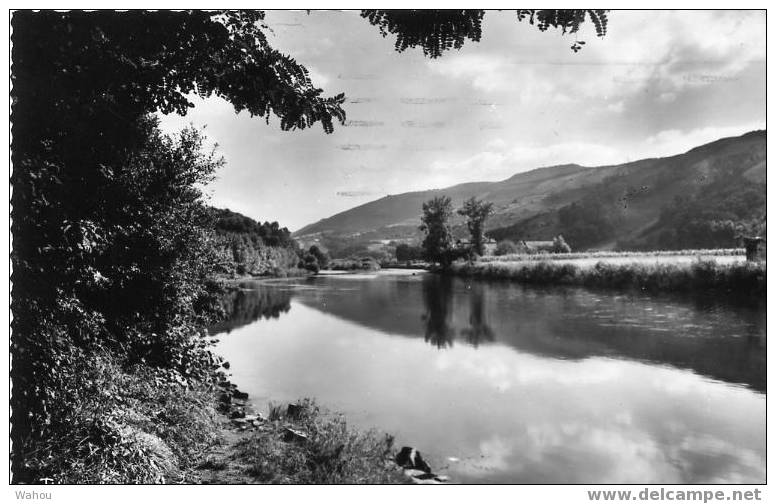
[502,383]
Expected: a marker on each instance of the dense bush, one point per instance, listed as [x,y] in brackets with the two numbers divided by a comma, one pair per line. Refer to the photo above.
[126,424]
[130,273]
[406,252]
[559,245]
[505,247]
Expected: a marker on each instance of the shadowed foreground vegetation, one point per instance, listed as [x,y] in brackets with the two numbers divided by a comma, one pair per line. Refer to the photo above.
[130,424]
[141,424]
[746,278]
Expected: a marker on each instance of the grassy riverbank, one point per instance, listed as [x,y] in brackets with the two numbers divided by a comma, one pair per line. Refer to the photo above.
[139,424]
[744,278]
[299,444]
[132,424]
[608,254]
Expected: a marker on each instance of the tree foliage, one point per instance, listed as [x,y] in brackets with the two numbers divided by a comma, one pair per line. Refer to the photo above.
[244,246]
[559,245]
[476,213]
[437,31]
[320,256]
[406,252]
[505,247]
[107,218]
[435,222]
[268,233]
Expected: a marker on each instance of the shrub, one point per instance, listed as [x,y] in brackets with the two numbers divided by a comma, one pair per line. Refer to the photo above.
[506,247]
[332,453]
[559,245]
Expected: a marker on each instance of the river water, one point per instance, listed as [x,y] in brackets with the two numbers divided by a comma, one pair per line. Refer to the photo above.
[501,383]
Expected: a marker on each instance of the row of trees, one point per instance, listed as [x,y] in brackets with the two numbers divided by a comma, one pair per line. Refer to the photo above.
[438,245]
[244,246]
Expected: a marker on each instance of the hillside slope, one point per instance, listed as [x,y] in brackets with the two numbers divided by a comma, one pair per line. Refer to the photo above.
[650,203]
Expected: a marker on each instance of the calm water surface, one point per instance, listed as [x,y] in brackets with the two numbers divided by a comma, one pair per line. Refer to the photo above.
[496,382]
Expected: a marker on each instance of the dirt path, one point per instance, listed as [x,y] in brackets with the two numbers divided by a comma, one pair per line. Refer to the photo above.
[222,466]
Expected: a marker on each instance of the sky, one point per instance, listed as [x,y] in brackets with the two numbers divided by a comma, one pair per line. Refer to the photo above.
[659,83]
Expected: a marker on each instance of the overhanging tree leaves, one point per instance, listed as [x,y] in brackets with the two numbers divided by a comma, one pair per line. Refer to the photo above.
[437,31]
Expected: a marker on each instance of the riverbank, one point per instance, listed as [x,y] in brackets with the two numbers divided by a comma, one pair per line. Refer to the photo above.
[611,254]
[298,443]
[741,278]
[292,273]
[142,425]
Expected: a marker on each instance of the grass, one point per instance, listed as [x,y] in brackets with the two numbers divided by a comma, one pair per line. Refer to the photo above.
[608,254]
[329,451]
[129,425]
[744,278]
[140,425]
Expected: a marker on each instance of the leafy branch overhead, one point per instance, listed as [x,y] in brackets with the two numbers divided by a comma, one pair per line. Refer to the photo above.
[437,31]
[138,62]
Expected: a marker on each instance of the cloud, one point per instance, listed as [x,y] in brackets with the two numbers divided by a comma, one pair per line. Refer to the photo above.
[669,53]
[486,72]
[659,83]
[500,161]
[318,79]
[672,141]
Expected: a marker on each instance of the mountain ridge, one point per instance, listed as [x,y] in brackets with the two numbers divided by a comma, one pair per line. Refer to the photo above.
[536,203]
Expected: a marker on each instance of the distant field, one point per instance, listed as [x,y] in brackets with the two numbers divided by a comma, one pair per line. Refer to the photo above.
[590,259]
[657,273]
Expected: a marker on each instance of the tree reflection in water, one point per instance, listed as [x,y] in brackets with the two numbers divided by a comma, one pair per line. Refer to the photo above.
[478,330]
[243,306]
[438,301]
[711,336]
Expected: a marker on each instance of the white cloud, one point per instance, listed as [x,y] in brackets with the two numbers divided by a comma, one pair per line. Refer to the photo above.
[485,72]
[671,141]
[319,79]
[501,161]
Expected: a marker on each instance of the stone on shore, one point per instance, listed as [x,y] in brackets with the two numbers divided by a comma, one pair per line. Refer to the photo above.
[410,458]
[294,436]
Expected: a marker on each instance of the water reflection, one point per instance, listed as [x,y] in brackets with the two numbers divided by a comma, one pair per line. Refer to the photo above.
[438,301]
[520,385]
[247,304]
[711,337]
[478,331]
